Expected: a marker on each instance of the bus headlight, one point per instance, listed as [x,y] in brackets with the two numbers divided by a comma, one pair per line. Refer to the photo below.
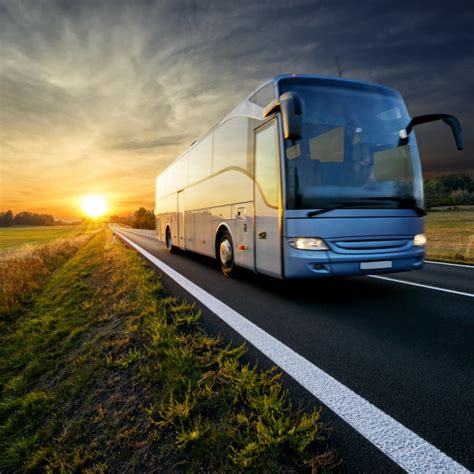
[419,240]
[308,243]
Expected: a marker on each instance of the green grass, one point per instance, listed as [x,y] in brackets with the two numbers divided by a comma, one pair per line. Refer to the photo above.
[14,237]
[450,236]
[103,371]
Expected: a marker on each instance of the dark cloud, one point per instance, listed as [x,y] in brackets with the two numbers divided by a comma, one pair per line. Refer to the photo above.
[120,81]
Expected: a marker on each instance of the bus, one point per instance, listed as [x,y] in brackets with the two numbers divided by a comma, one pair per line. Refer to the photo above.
[310,176]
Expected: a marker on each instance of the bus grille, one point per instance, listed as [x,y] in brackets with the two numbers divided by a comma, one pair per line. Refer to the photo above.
[370,246]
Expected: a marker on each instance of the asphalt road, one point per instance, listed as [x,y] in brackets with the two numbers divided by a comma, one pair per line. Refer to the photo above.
[406,349]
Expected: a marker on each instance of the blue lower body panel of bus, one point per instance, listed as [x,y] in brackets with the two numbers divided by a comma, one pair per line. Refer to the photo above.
[311,264]
[355,247]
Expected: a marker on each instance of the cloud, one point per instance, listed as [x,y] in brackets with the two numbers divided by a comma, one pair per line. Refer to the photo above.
[92,91]
[147,144]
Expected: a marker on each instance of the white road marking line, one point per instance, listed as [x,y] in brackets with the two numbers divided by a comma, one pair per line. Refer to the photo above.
[450,264]
[401,445]
[133,230]
[404,282]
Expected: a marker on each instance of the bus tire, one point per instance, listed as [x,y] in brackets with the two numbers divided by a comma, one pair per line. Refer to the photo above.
[169,242]
[225,255]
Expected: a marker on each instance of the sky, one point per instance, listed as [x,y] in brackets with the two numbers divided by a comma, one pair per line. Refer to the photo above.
[100,96]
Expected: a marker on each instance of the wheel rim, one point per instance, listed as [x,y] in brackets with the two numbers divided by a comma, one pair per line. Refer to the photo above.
[225,253]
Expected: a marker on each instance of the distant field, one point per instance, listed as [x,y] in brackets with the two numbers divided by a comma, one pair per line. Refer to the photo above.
[450,236]
[12,237]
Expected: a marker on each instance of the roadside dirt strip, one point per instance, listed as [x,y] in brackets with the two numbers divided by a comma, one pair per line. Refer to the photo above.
[403,446]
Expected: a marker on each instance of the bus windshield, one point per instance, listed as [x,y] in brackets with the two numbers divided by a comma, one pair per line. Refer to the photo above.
[350,153]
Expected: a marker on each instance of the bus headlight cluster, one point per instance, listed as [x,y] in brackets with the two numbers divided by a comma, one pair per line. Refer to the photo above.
[419,240]
[308,243]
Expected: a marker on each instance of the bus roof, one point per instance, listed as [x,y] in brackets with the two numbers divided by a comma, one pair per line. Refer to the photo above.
[250,109]
[280,77]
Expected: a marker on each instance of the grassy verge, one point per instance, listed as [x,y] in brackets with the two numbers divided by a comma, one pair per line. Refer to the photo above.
[23,271]
[105,372]
[450,236]
[15,237]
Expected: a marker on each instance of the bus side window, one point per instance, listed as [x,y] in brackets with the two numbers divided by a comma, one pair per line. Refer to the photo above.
[200,160]
[266,163]
[230,146]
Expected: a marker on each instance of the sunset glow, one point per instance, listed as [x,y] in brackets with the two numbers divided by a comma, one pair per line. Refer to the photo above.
[94,206]
[110,93]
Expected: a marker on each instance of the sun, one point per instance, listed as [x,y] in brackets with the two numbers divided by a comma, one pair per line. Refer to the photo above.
[94,205]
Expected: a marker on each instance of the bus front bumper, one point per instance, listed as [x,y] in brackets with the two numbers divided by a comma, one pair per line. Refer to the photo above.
[314,264]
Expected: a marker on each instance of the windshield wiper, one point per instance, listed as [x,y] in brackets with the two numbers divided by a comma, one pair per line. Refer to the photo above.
[402,202]
[339,206]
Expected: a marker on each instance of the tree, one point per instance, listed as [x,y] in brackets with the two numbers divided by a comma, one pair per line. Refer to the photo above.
[31,218]
[448,190]
[143,219]
[124,220]
[6,218]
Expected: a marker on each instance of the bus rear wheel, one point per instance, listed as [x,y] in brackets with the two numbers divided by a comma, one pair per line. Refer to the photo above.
[169,243]
[225,255]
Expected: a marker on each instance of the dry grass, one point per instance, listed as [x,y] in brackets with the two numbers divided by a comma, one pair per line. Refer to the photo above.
[450,236]
[23,270]
[104,372]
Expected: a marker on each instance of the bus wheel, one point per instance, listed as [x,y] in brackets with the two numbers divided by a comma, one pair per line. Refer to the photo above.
[169,243]
[226,255]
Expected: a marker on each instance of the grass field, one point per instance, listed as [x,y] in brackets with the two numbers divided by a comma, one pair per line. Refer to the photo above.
[14,237]
[102,371]
[450,236]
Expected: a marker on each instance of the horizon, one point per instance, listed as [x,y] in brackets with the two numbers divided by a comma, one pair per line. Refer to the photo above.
[130,212]
[98,99]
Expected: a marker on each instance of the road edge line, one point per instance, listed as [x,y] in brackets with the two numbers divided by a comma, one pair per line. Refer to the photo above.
[459,265]
[437,288]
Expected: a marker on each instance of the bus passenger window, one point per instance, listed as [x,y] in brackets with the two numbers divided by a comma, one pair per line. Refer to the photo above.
[230,146]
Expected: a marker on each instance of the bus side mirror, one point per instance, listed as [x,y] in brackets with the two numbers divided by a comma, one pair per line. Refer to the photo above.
[450,120]
[291,107]
[453,122]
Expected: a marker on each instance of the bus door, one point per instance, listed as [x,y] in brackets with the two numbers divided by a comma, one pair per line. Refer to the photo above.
[267,179]
[181,242]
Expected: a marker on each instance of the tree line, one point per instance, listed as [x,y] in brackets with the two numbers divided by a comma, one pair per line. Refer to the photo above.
[141,219]
[8,219]
[449,190]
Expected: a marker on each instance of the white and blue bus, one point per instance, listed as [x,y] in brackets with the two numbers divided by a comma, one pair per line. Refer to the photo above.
[310,176]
